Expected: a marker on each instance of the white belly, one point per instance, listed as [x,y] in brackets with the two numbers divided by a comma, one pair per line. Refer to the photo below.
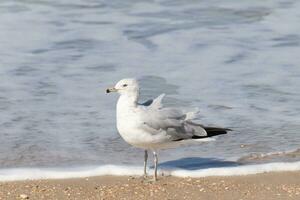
[139,138]
[130,127]
[131,133]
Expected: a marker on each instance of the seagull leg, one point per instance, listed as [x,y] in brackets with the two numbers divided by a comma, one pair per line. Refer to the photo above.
[145,163]
[155,165]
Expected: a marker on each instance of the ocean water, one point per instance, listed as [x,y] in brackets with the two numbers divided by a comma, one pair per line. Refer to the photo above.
[237,61]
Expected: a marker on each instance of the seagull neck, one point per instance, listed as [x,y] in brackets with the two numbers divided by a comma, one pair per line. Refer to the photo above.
[128,100]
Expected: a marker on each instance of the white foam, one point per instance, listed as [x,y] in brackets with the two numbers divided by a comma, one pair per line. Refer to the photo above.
[14,174]
[274,154]
[18,174]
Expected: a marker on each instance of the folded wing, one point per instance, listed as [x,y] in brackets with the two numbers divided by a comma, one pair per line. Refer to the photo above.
[174,123]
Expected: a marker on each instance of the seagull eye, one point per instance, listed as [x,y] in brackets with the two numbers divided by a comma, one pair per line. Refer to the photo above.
[125,85]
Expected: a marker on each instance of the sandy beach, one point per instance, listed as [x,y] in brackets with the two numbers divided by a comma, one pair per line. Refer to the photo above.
[281,185]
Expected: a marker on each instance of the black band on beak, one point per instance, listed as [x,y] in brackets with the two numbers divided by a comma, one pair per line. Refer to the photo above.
[109,90]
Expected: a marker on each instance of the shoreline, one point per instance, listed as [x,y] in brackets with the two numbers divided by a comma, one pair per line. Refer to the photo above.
[189,169]
[271,185]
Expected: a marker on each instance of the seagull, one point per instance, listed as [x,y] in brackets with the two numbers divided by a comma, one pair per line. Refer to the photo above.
[150,126]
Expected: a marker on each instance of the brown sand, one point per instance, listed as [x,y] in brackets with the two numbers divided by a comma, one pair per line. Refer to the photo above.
[283,185]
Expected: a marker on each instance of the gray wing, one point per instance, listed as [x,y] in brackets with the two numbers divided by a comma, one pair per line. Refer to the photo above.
[146,103]
[154,103]
[169,121]
[174,128]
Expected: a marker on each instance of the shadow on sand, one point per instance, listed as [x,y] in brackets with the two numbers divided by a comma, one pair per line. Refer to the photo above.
[195,163]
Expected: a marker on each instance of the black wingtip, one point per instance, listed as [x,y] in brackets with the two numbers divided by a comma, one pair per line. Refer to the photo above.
[213,131]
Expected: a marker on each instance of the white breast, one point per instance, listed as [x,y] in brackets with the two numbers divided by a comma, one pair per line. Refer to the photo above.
[128,122]
[130,125]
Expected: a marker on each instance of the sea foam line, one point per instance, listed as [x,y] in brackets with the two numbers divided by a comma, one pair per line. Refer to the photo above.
[17,174]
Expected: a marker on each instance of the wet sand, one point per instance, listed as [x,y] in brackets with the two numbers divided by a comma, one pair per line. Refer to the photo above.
[281,185]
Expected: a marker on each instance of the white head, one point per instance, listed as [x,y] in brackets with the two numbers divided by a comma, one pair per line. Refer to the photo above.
[128,86]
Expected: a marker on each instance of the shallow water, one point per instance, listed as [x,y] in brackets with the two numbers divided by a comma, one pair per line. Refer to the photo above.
[238,62]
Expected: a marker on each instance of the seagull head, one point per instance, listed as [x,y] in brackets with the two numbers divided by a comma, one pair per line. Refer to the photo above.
[128,86]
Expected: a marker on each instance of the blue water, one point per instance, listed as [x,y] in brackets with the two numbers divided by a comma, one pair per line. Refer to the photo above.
[237,61]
